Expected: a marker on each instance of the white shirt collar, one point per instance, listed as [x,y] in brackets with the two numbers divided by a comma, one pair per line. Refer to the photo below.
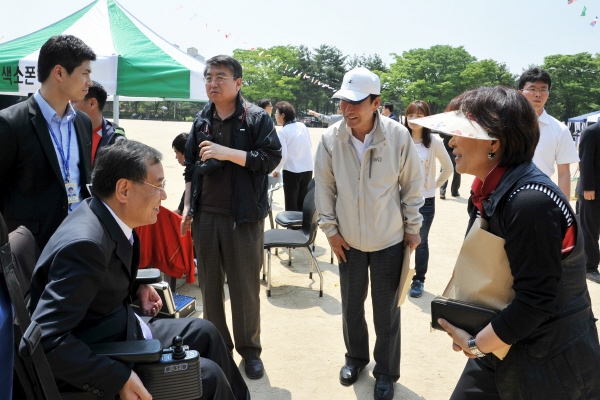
[127,231]
[544,117]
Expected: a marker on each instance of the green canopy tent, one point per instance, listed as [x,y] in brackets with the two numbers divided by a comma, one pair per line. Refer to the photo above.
[132,60]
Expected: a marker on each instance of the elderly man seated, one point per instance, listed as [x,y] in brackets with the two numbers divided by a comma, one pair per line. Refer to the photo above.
[82,285]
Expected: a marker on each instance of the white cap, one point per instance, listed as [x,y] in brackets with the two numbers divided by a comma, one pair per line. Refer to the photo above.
[358,84]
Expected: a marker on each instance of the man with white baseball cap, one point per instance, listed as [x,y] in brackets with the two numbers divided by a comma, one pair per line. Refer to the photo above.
[368,180]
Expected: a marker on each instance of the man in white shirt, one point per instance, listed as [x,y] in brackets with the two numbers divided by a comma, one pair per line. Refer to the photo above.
[556,145]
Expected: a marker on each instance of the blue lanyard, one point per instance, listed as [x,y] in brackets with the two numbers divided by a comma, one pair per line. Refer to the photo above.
[61,151]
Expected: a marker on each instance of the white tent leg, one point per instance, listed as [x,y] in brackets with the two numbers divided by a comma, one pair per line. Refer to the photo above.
[116,109]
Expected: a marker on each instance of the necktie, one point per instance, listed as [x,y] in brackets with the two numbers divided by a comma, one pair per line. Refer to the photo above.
[95,141]
[145,328]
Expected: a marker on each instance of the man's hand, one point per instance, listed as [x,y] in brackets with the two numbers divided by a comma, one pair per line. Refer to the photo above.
[186,224]
[150,301]
[589,194]
[311,112]
[338,244]
[134,389]
[210,150]
[412,239]
[275,174]
[459,338]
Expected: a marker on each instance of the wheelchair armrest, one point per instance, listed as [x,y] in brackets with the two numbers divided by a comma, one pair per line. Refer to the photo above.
[147,276]
[134,351]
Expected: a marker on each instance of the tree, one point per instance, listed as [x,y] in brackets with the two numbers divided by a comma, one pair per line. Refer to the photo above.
[373,63]
[575,89]
[486,73]
[433,75]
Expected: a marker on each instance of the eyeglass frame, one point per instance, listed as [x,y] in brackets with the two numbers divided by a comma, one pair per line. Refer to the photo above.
[161,187]
[217,79]
[535,91]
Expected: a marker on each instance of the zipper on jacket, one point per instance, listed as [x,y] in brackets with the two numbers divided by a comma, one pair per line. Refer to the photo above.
[370,161]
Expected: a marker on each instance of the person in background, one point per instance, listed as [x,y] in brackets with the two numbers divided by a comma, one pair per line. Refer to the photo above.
[104,132]
[456,176]
[266,105]
[556,145]
[367,193]
[178,146]
[388,111]
[328,119]
[555,352]
[430,149]
[296,156]
[588,189]
[45,144]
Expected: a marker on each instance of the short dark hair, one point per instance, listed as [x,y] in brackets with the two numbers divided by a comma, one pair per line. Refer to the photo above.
[389,106]
[126,159]
[504,114]
[97,92]
[533,75]
[222,60]
[414,108]
[285,108]
[180,141]
[264,103]
[65,50]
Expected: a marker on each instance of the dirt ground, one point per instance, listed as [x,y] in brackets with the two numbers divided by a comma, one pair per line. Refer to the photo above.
[301,333]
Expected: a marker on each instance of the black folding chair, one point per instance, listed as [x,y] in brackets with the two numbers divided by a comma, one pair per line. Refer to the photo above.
[292,239]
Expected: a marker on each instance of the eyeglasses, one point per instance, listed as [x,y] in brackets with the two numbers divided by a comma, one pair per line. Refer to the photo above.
[161,187]
[217,79]
[540,91]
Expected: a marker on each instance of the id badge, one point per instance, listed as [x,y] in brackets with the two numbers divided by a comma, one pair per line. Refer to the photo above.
[72,196]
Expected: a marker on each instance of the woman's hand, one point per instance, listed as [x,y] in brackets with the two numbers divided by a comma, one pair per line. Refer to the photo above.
[459,338]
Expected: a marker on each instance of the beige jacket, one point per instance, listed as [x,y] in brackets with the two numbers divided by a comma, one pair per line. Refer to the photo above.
[437,151]
[370,204]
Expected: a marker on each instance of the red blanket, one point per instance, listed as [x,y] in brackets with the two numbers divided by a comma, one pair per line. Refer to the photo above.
[162,247]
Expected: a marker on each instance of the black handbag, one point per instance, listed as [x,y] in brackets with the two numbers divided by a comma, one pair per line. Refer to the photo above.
[469,317]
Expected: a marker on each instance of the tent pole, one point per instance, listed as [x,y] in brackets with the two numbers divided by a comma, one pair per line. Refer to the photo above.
[116,109]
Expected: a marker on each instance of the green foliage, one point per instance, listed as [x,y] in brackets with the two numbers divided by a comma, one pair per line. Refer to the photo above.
[575,84]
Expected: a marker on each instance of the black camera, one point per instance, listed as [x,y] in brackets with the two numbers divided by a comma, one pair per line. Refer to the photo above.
[176,375]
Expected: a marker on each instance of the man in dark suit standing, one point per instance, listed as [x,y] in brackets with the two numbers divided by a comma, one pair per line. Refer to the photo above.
[589,197]
[45,145]
[82,285]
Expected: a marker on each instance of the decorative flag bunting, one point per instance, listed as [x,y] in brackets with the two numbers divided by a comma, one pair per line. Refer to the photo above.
[583,11]
[594,22]
[571,1]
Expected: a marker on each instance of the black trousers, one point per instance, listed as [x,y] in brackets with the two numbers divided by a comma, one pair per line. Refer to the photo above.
[455,177]
[221,378]
[384,266]
[589,215]
[295,187]
[238,254]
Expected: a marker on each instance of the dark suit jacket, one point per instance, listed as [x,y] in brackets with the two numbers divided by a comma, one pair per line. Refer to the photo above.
[589,164]
[81,289]
[32,188]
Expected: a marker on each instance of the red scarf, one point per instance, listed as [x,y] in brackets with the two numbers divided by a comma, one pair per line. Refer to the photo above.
[483,189]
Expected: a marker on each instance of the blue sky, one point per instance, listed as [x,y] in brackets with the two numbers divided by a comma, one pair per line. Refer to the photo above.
[518,33]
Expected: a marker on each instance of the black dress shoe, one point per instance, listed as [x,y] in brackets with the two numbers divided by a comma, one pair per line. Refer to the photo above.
[349,374]
[384,388]
[254,368]
[593,276]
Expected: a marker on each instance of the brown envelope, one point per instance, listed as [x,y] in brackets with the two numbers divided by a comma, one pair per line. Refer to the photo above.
[482,273]
[406,276]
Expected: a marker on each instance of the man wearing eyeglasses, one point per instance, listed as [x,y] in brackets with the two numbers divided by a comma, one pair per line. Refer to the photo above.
[83,284]
[232,148]
[556,145]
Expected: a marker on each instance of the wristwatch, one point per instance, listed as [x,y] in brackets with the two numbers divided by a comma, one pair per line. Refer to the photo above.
[473,347]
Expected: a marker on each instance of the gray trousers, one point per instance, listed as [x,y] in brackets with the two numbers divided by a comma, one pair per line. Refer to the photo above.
[384,266]
[222,250]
